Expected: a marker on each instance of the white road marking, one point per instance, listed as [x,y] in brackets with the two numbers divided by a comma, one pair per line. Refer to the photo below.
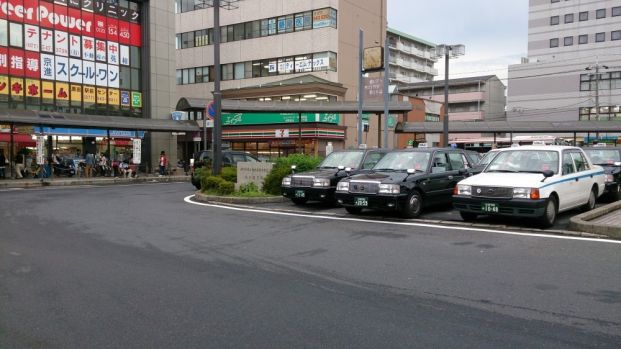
[412,224]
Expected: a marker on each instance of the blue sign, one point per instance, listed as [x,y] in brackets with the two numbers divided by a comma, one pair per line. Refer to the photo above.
[125,98]
[211,110]
[84,132]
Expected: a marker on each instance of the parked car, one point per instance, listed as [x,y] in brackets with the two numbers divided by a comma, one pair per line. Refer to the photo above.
[485,160]
[405,181]
[609,159]
[229,158]
[531,181]
[320,184]
[474,157]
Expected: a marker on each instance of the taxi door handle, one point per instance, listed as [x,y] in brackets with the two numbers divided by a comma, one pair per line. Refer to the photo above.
[577,179]
[450,177]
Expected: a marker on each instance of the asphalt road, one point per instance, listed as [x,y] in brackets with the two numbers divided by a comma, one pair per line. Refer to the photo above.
[136,267]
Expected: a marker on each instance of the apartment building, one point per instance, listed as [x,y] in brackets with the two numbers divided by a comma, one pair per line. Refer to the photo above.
[411,58]
[292,50]
[569,42]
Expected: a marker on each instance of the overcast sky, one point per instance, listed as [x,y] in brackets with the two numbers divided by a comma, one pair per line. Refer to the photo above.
[495,32]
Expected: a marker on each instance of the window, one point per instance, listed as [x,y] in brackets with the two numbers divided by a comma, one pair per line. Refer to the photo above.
[239,71]
[553,1]
[134,55]
[202,74]
[177,41]
[456,160]
[553,43]
[303,21]
[303,64]
[601,13]
[253,29]
[239,32]
[187,40]
[201,38]
[583,16]
[615,35]
[600,37]
[568,164]
[580,162]
[16,37]
[439,163]
[271,26]
[616,11]
[569,18]
[568,40]
[264,26]
[227,72]
[371,160]
[179,76]
[554,20]
[583,39]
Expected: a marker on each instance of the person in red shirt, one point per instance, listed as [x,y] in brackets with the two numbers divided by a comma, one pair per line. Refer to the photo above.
[163,163]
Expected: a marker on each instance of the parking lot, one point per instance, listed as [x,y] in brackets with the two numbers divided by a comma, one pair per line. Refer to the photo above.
[436,214]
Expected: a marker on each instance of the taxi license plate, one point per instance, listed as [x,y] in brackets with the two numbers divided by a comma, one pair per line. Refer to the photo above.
[362,202]
[489,207]
[300,194]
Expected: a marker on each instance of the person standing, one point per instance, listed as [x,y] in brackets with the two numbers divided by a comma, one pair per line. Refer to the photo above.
[3,164]
[90,162]
[163,163]
[19,166]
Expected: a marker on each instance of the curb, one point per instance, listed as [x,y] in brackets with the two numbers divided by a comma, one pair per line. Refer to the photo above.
[582,222]
[238,200]
[36,183]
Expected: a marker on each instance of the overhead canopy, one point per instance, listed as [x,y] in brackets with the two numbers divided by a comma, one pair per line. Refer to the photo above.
[238,106]
[510,127]
[53,119]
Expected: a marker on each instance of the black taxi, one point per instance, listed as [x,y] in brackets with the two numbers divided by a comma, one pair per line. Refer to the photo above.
[405,181]
[320,184]
[609,158]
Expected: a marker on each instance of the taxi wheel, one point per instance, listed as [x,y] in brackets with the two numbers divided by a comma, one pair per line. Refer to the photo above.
[413,206]
[549,215]
[299,201]
[591,203]
[353,210]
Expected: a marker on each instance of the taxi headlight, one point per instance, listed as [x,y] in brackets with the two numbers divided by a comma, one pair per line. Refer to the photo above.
[521,193]
[463,189]
[321,182]
[342,186]
[389,189]
[286,182]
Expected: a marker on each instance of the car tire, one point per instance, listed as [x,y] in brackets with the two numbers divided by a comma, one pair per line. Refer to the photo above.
[468,216]
[548,218]
[413,206]
[299,201]
[353,210]
[591,203]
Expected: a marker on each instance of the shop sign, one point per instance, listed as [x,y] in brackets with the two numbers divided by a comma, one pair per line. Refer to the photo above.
[113,96]
[281,133]
[230,119]
[33,88]
[137,150]
[125,99]
[76,93]
[47,89]
[392,121]
[89,95]
[4,85]
[136,99]
[102,95]
[324,18]
[17,87]
[62,69]
[40,152]
[62,91]
[88,132]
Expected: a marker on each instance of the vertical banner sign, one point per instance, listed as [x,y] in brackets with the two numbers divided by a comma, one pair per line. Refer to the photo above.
[137,150]
[47,89]
[40,152]
[33,88]
[74,46]
[89,95]
[102,95]
[47,40]
[125,99]
[136,100]
[31,42]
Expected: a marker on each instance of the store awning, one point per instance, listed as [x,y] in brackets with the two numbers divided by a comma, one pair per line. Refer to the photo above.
[17,139]
[53,119]
[238,106]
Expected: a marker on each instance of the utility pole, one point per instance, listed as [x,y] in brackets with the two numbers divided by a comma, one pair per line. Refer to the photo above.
[360,83]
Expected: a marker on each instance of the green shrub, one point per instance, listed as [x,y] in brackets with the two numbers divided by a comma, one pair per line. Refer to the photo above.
[249,188]
[211,183]
[282,168]
[226,188]
[229,174]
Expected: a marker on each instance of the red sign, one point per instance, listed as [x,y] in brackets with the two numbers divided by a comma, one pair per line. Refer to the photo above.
[101,31]
[135,34]
[124,33]
[113,29]
[16,62]
[60,12]
[45,14]
[74,13]
[31,4]
[4,60]
[88,17]
[32,65]
[15,10]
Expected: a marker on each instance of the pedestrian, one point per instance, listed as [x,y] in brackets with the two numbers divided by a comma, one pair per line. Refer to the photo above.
[103,164]
[90,162]
[19,166]
[163,163]
[3,163]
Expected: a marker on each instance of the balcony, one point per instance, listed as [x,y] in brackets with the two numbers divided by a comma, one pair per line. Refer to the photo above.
[458,97]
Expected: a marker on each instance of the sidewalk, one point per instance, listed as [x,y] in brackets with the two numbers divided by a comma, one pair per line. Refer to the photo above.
[74,181]
[605,220]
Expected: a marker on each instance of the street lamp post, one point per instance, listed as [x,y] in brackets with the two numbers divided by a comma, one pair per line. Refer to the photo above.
[447,51]
[217,94]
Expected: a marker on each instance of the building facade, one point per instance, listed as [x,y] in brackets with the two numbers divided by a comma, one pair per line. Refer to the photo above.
[89,57]
[411,59]
[470,99]
[295,50]
[572,64]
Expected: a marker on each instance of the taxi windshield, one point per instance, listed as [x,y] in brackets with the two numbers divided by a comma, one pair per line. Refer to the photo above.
[529,161]
[603,157]
[403,161]
[342,158]
[487,158]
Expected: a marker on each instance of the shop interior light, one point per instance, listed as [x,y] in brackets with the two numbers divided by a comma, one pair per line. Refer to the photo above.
[310,96]
[302,99]
[286,98]
[322,98]
[267,99]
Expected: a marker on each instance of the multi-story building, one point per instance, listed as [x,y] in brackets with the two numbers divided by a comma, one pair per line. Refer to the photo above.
[411,59]
[568,43]
[63,61]
[293,50]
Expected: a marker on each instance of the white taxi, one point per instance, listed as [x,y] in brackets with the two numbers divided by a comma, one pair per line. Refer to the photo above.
[531,181]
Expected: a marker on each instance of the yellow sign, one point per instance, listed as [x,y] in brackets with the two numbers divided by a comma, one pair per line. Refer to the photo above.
[102,95]
[47,90]
[4,85]
[76,93]
[89,95]
[113,96]
[62,91]
[17,87]
[33,88]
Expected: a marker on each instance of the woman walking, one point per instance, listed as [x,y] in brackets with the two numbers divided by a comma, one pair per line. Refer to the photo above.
[163,163]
